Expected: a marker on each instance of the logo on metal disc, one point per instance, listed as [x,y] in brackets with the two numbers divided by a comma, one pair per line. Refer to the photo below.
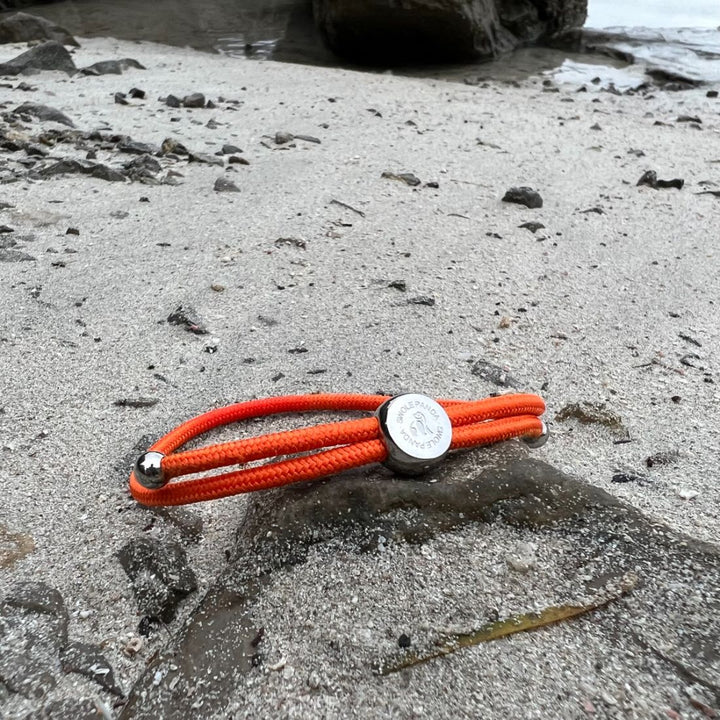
[419,426]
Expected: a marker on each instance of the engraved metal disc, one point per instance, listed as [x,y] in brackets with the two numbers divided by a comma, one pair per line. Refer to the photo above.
[417,432]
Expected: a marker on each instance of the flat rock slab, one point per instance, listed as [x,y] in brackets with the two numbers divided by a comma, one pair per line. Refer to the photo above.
[378,554]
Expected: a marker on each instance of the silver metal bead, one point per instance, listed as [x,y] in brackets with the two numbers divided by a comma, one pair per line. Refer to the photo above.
[148,470]
[417,432]
[537,442]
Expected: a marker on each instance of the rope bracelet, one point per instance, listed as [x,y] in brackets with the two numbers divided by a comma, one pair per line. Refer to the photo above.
[408,433]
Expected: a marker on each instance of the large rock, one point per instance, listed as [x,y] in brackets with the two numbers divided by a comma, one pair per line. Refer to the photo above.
[21,27]
[429,30]
[50,55]
[307,555]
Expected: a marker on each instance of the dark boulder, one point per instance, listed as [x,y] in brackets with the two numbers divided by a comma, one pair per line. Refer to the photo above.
[21,27]
[382,31]
[50,55]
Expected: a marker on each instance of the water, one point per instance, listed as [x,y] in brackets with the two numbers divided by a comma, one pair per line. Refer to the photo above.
[676,39]
[654,14]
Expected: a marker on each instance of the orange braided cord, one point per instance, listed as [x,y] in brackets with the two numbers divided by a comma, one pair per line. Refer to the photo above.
[353,443]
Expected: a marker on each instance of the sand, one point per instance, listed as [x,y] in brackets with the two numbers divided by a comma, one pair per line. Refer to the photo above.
[591,308]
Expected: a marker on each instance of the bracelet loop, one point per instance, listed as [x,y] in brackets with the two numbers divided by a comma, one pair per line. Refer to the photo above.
[409,433]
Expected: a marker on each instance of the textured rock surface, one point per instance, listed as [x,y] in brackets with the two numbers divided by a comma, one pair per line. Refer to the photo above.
[22,27]
[428,30]
[50,55]
[226,642]
[160,575]
[33,629]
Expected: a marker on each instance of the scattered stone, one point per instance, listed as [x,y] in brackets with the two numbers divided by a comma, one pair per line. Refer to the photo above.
[236,160]
[622,477]
[224,185]
[291,242]
[111,67]
[143,168]
[173,102]
[400,285]
[297,350]
[589,413]
[407,178]
[88,660]
[33,149]
[9,255]
[38,597]
[140,402]
[650,179]
[127,145]
[687,494]
[711,93]
[282,138]
[194,100]
[43,112]
[404,641]
[493,374]
[50,55]
[523,196]
[34,622]
[185,316]
[428,300]
[308,138]
[137,94]
[160,575]
[670,457]
[21,27]
[205,158]
[120,99]
[533,227]
[72,231]
[689,119]
[4,229]
[230,150]
[96,170]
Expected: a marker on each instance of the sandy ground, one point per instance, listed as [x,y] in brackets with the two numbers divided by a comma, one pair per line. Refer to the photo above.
[589,309]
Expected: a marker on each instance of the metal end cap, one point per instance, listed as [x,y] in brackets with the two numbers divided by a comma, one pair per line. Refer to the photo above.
[148,470]
[417,433]
[538,441]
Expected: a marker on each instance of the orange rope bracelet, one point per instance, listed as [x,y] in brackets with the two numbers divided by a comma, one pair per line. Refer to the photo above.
[408,433]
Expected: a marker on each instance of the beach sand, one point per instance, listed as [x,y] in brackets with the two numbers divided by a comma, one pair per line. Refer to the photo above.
[613,302]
